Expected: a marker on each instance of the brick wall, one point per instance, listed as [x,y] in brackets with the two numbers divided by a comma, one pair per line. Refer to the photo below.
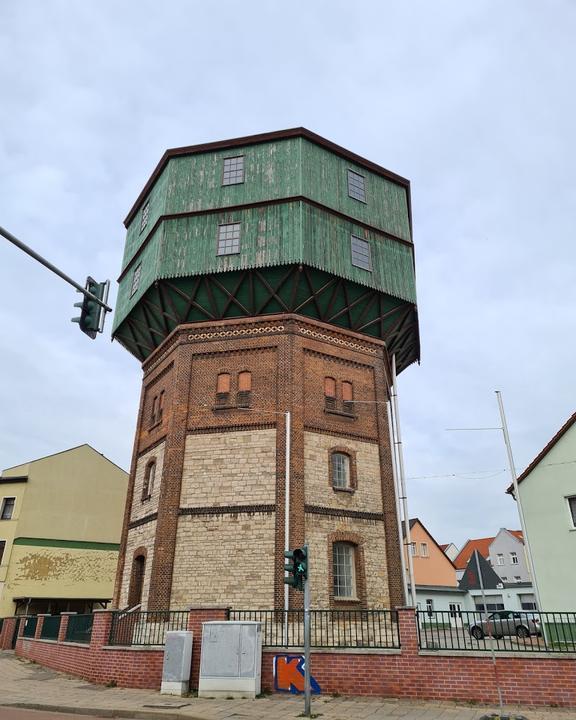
[525,679]
[224,462]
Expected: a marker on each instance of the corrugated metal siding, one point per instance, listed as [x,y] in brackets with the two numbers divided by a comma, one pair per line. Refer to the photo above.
[271,171]
[327,245]
[135,238]
[325,180]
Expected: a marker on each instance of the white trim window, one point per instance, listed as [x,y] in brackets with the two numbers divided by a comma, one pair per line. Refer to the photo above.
[500,559]
[424,549]
[233,170]
[136,279]
[8,504]
[513,558]
[344,570]
[572,508]
[229,239]
[517,578]
[356,186]
[361,255]
[340,470]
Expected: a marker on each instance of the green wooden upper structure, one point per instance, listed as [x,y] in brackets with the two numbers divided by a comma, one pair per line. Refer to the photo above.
[283,222]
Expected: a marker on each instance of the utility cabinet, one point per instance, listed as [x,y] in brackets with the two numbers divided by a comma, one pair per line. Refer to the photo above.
[231,659]
[177,662]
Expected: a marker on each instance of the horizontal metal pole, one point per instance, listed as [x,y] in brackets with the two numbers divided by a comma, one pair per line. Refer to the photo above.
[53,268]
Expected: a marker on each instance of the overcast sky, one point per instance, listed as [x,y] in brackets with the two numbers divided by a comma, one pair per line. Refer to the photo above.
[473,102]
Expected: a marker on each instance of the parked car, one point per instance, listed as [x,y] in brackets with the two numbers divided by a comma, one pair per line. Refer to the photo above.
[505,622]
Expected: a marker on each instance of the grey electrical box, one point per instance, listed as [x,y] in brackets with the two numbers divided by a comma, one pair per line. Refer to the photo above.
[231,659]
[177,661]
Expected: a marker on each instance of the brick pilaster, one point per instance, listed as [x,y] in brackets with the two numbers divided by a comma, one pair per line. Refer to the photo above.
[169,503]
[101,629]
[39,624]
[64,619]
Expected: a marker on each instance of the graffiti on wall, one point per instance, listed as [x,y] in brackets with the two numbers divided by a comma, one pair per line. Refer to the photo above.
[289,675]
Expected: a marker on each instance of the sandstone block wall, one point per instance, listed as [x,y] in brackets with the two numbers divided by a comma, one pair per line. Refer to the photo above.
[232,468]
[215,552]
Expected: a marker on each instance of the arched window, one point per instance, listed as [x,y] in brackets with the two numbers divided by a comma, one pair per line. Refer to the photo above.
[149,478]
[344,570]
[329,392]
[340,470]
[245,381]
[137,580]
[160,411]
[223,390]
[244,389]
[154,410]
[347,391]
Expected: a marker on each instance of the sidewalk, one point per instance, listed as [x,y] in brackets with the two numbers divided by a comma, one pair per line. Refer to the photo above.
[25,684]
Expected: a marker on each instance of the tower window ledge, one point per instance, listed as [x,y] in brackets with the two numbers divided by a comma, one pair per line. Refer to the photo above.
[342,413]
[348,490]
[230,407]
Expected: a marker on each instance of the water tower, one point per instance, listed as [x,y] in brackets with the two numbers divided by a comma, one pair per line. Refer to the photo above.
[262,276]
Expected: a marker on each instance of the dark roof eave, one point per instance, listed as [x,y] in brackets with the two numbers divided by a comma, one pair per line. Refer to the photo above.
[542,454]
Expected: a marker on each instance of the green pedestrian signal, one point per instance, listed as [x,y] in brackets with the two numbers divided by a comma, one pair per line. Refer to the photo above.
[91,311]
[296,567]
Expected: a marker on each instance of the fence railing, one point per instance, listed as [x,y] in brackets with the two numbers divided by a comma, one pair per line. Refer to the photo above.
[50,627]
[30,624]
[328,628]
[146,628]
[504,630]
[79,629]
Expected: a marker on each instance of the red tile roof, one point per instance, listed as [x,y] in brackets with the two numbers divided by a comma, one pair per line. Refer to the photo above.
[480,544]
[483,547]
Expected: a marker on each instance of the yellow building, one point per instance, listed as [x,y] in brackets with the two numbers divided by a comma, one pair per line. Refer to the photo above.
[60,526]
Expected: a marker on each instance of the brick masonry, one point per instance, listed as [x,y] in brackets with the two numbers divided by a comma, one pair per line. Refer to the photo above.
[525,678]
[210,452]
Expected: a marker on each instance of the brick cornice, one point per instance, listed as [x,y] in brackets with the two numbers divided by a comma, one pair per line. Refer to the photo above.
[341,512]
[228,510]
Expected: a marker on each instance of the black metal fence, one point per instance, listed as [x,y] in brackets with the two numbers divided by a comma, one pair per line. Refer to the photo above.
[146,628]
[328,628]
[501,631]
[79,629]
[50,627]
[30,624]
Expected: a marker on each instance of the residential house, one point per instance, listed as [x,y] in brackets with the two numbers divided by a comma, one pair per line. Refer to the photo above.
[434,573]
[508,557]
[60,525]
[505,553]
[547,490]
[450,550]
[486,592]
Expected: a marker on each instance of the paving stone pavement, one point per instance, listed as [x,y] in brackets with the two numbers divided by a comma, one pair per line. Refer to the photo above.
[26,684]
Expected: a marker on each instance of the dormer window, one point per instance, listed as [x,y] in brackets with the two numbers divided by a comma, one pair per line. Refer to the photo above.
[233,172]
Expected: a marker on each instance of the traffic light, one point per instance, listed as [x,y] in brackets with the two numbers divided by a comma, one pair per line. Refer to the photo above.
[90,310]
[297,567]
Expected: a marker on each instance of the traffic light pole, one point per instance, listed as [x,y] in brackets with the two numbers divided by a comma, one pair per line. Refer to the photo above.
[33,254]
[307,686]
